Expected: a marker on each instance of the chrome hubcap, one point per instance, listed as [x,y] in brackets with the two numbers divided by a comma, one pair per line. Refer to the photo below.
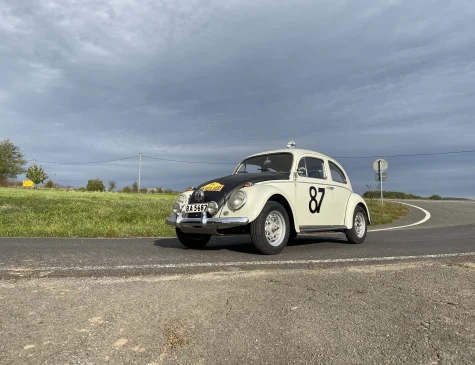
[275,228]
[360,225]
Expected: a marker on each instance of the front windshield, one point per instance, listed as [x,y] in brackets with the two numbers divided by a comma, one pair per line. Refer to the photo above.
[277,162]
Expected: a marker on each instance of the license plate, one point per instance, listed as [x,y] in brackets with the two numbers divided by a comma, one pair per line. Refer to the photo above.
[195,208]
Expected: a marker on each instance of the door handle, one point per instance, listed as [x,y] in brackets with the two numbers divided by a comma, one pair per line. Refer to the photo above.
[331,187]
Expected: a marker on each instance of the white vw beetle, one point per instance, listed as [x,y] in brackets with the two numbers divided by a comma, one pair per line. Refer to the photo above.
[272,196]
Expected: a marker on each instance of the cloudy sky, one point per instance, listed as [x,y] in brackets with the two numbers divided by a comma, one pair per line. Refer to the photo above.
[215,81]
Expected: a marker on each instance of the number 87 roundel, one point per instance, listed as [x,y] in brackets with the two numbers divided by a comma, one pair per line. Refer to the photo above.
[314,205]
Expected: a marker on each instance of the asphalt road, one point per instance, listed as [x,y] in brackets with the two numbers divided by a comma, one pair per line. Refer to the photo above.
[404,296]
[450,230]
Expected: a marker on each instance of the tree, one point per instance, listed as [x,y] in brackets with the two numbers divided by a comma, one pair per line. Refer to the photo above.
[159,190]
[36,174]
[95,185]
[435,197]
[11,160]
[50,184]
[135,187]
[112,185]
[143,190]
[127,189]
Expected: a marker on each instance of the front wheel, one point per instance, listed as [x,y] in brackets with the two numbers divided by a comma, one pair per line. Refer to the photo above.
[270,230]
[357,234]
[192,240]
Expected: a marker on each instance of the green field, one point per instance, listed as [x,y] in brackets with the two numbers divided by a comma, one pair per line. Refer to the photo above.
[50,213]
[43,213]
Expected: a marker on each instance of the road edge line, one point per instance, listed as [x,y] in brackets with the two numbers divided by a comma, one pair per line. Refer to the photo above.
[246,263]
[426,218]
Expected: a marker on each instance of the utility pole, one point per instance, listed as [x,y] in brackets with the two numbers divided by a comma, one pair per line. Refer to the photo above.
[381,181]
[140,167]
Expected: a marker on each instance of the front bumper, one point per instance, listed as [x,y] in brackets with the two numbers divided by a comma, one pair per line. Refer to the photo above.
[205,222]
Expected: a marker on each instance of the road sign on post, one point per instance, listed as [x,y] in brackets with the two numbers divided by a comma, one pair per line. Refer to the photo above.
[380,166]
[383,175]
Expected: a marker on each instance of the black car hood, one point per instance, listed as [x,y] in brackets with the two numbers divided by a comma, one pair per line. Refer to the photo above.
[231,183]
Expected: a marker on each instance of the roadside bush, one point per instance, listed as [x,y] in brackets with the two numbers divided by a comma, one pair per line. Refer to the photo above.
[435,197]
[135,187]
[112,185]
[126,190]
[49,184]
[370,193]
[95,185]
[10,183]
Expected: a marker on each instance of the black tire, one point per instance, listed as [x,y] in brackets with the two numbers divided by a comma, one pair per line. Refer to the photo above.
[351,234]
[192,240]
[258,231]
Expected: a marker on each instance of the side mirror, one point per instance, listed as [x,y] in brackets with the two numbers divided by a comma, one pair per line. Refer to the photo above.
[301,171]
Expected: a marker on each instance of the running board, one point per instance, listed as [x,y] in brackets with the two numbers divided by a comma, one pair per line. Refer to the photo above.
[304,229]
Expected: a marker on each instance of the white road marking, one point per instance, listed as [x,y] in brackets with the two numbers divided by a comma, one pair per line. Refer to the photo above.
[247,263]
[426,218]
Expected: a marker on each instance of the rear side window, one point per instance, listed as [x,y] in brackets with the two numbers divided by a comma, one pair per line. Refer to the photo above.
[314,168]
[337,174]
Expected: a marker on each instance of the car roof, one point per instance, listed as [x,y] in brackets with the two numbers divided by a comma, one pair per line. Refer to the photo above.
[294,151]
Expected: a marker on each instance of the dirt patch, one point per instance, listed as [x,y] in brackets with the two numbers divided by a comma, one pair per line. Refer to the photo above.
[176,337]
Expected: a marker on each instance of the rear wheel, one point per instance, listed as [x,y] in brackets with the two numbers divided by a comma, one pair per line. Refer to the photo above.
[270,230]
[192,240]
[357,234]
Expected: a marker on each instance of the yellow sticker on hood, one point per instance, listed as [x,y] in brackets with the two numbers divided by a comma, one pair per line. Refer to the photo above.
[214,186]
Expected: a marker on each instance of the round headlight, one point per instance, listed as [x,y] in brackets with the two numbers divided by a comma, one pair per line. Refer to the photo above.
[180,201]
[213,208]
[237,200]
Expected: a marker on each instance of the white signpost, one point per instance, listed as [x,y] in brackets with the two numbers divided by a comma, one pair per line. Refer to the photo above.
[380,166]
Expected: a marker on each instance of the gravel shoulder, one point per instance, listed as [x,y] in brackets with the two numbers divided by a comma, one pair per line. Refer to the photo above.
[417,312]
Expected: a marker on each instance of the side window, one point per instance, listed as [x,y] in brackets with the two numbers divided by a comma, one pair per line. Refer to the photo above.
[337,174]
[303,166]
[314,168]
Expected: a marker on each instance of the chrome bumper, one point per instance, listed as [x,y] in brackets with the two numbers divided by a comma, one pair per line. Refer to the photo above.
[205,222]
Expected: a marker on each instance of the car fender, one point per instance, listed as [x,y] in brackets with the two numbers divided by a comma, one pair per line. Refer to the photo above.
[257,197]
[353,201]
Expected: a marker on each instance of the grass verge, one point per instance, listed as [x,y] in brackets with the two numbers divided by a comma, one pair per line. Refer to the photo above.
[387,213]
[40,213]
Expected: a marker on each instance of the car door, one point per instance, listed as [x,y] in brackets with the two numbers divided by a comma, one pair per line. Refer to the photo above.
[313,197]
[341,192]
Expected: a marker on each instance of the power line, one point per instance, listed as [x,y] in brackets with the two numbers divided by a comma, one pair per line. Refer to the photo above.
[411,155]
[196,162]
[83,163]
[234,163]
[376,156]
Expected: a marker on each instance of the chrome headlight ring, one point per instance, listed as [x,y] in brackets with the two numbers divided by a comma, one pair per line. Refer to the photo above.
[213,208]
[237,200]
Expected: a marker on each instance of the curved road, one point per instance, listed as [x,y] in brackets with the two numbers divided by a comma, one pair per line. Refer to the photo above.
[449,231]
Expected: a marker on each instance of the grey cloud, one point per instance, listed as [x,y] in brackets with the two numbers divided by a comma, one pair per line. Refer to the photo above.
[209,80]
